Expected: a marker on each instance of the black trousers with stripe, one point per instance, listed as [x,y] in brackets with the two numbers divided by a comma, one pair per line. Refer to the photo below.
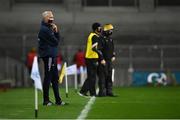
[51,76]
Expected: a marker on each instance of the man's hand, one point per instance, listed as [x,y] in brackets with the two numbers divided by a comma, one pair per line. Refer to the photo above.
[103,62]
[113,59]
[54,27]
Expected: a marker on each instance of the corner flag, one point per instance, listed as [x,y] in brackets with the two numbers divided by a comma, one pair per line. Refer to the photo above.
[37,83]
[35,74]
[71,70]
[62,73]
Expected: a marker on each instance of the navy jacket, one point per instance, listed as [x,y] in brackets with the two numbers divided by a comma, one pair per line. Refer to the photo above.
[47,41]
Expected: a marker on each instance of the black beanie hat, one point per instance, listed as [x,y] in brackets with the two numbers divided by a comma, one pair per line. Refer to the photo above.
[95,26]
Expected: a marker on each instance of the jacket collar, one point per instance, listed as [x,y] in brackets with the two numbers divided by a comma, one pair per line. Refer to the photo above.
[45,24]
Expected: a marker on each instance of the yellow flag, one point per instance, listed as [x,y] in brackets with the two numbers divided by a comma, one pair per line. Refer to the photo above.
[62,73]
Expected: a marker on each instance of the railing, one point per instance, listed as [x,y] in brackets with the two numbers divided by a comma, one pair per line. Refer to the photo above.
[162,57]
[13,72]
[110,3]
[131,3]
[128,58]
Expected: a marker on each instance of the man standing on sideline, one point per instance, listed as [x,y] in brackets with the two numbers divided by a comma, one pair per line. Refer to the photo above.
[106,46]
[91,57]
[48,39]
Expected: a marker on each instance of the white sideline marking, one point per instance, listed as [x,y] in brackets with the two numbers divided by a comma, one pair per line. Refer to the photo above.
[86,109]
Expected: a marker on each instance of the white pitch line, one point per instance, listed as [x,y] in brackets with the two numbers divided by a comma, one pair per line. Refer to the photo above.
[86,109]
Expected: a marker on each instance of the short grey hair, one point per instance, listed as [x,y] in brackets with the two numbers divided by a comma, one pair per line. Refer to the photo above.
[46,13]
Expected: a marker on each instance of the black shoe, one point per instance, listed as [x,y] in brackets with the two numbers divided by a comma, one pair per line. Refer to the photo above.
[61,103]
[93,95]
[101,95]
[48,103]
[83,95]
[112,95]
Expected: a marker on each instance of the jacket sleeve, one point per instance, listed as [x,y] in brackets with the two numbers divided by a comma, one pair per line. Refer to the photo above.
[52,38]
[97,49]
[114,54]
[57,35]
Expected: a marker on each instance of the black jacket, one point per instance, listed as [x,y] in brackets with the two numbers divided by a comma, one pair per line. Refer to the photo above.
[47,41]
[106,46]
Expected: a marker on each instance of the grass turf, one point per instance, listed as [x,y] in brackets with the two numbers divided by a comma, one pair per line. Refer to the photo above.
[142,102]
[132,102]
[19,103]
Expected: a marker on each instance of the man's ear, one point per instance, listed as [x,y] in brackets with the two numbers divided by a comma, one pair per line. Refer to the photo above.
[45,20]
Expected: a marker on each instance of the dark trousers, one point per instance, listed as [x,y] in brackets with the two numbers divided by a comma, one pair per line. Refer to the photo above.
[51,76]
[102,79]
[105,79]
[108,78]
[90,82]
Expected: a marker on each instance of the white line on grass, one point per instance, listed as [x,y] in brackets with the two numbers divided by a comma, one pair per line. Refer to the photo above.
[86,109]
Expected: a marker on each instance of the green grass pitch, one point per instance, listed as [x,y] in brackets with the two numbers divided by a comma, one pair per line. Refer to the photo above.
[132,102]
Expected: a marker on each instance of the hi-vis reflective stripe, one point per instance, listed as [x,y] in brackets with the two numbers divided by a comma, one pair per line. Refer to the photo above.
[94,45]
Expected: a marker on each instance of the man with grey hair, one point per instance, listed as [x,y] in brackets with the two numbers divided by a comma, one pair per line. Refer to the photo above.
[48,39]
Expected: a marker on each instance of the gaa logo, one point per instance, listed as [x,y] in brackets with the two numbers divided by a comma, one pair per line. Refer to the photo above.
[157,78]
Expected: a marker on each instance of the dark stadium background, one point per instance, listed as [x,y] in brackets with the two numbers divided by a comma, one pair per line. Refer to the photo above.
[146,34]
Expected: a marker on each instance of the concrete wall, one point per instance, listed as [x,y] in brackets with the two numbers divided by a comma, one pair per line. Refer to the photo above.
[6,5]
[146,5]
[146,26]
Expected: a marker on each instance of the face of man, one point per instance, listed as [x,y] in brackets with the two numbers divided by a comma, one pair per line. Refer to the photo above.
[99,30]
[48,17]
[108,33]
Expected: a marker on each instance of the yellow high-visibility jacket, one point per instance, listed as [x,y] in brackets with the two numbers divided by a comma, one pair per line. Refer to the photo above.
[90,54]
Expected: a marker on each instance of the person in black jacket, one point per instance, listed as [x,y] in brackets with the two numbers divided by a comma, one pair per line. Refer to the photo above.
[48,39]
[106,46]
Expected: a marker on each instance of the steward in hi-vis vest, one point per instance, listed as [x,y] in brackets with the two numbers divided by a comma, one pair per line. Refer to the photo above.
[92,43]
[92,56]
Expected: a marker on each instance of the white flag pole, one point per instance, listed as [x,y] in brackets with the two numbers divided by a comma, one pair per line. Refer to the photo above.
[37,83]
[81,75]
[113,71]
[75,82]
[36,102]
[66,79]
